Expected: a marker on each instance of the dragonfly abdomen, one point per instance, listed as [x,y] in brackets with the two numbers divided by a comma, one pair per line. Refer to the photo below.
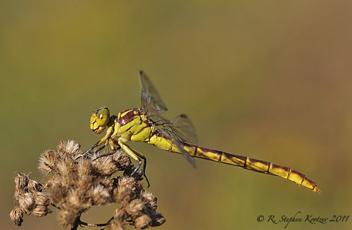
[251,164]
[236,160]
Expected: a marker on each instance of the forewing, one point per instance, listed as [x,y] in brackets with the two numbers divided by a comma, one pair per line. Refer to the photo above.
[150,98]
[153,105]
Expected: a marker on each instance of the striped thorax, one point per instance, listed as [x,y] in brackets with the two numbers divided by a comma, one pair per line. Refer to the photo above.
[133,125]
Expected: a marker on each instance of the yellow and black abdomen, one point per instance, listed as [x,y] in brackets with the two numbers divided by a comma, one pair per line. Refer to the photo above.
[236,160]
[252,164]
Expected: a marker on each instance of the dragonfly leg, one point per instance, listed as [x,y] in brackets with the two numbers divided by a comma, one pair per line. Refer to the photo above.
[144,167]
[83,154]
[106,154]
[101,148]
[136,156]
[101,141]
[90,149]
[136,168]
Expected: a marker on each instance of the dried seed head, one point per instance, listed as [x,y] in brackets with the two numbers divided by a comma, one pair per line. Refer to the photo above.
[34,186]
[85,173]
[126,190]
[47,161]
[68,216]
[17,194]
[84,167]
[143,222]
[69,148]
[105,166]
[128,182]
[122,159]
[85,182]
[21,181]
[115,225]
[107,182]
[41,210]
[150,199]
[75,197]
[16,216]
[157,219]
[26,202]
[56,192]
[66,166]
[120,214]
[41,199]
[135,207]
[101,195]
[73,186]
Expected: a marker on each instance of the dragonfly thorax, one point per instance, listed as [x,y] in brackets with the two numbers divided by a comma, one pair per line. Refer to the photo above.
[133,125]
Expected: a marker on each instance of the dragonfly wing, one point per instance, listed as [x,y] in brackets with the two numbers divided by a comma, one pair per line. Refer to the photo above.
[169,132]
[179,145]
[153,105]
[150,98]
[183,127]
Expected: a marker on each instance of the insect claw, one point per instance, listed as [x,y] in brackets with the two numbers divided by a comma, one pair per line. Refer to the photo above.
[146,178]
[143,171]
[137,168]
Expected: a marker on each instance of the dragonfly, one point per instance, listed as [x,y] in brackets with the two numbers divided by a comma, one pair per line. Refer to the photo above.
[177,135]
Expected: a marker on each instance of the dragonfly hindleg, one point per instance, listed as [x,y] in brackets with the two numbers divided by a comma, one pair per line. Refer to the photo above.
[136,156]
[144,167]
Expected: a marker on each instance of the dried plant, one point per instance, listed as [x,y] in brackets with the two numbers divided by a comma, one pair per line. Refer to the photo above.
[74,186]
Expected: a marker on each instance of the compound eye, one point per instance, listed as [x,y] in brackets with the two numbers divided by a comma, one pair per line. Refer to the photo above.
[103,116]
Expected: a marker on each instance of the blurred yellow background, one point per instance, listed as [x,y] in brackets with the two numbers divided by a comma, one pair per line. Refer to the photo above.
[266,79]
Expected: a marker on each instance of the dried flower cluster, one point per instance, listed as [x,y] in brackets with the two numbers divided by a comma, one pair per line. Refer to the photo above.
[73,186]
[31,199]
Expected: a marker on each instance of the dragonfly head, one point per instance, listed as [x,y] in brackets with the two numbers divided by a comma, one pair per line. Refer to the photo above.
[99,120]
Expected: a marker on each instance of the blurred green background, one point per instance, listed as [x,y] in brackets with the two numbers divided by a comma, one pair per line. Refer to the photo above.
[265,79]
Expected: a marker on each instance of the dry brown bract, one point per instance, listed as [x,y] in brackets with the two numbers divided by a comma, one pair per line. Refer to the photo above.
[74,186]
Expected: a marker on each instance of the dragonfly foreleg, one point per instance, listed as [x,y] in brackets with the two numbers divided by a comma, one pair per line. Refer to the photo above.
[106,154]
[90,149]
[83,154]
[104,140]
